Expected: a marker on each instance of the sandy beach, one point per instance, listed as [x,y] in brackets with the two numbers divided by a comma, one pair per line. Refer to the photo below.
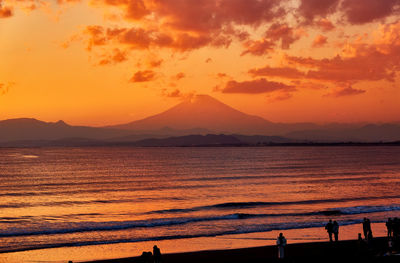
[348,251]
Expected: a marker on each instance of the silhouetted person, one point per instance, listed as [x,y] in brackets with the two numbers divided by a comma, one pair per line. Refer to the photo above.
[281,242]
[369,230]
[329,229]
[156,254]
[335,230]
[146,257]
[389,226]
[366,228]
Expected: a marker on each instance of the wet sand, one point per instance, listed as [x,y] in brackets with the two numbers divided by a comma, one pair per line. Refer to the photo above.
[342,251]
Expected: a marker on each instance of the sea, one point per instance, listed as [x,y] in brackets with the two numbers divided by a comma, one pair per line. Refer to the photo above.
[60,204]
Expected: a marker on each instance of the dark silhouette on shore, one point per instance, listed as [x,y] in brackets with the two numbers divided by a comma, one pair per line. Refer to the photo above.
[146,257]
[389,226]
[281,243]
[329,229]
[380,249]
[335,229]
[367,229]
[156,254]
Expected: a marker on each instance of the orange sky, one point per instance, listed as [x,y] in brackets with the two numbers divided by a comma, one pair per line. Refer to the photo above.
[103,62]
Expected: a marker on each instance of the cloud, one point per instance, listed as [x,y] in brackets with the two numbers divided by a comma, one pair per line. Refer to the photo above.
[156,63]
[317,8]
[206,16]
[325,25]
[365,11]
[258,47]
[280,97]
[185,25]
[282,72]
[347,91]
[319,41]
[257,86]
[179,76]
[5,87]
[5,11]
[173,94]
[283,33]
[143,76]
[116,56]
[374,61]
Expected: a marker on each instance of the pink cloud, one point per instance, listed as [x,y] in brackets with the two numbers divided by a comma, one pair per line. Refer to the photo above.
[347,91]
[282,72]
[283,33]
[143,76]
[364,11]
[325,25]
[313,8]
[5,11]
[255,87]
[319,41]
[258,47]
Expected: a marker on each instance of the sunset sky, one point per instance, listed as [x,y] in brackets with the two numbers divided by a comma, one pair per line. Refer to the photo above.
[98,62]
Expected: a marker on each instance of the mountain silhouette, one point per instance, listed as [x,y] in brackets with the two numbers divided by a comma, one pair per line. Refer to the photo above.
[32,129]
[205,112]
[201,115]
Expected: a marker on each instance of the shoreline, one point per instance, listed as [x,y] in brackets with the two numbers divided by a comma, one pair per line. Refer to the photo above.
[242,242]
[349,250]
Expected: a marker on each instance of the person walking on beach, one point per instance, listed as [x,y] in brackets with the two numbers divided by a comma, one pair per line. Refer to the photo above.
[281,242]
[329,229]
[335,230]
[156,254]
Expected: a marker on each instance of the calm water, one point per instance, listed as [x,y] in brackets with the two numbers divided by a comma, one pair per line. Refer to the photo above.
[74,197]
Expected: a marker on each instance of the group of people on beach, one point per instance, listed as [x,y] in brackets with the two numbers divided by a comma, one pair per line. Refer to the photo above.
[332,227]
[148,257]
[393,227]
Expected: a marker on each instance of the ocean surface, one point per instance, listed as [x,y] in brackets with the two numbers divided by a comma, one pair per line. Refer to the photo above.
[110,196]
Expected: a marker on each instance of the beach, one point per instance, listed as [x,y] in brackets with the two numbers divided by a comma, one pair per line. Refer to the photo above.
[348,251]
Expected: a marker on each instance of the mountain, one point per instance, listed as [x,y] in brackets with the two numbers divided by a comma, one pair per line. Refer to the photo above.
[25,129]
[198,116]
[208,115]
[205,112]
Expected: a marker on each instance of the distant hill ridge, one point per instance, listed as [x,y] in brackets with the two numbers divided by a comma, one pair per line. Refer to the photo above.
[199,115]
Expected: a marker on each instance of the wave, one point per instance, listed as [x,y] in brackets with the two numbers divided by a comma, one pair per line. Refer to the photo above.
[239,230]
[54,228]
[238,205]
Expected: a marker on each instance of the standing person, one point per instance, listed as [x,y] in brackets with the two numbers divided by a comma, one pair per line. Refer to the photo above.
[389,226]
[335,230]
[281,242]
[156,254]
[329,229]
[366,227]
[369,230]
